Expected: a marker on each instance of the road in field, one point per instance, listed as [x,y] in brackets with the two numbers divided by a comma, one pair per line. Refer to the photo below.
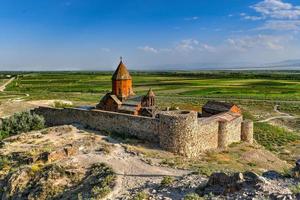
[281,116]
[2,87]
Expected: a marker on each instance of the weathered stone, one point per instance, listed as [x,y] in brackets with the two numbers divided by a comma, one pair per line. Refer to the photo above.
[247,131]
[16,182]
[272,175]
[180,132]
[252,178]
[296,170]
[22,158]
[221,183]
[59,154]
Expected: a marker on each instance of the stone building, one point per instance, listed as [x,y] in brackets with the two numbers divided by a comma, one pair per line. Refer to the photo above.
[122,98]
[182,132]
[216,107]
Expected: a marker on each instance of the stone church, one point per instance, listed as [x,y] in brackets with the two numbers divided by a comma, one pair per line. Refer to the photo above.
[122,98]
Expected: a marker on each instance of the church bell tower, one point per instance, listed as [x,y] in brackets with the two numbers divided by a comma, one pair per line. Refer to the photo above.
[122,82]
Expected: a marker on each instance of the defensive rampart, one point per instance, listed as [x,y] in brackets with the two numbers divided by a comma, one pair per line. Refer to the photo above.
[180,132]
[142,127]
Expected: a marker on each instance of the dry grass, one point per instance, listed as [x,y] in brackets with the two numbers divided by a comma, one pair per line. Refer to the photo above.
[239,157]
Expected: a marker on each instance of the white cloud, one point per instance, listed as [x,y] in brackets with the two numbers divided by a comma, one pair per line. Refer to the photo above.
[281,25]
[148,49]
[191,18]
[249,17]
[263,42]
[277,15]
[208,48]
[183,46]
[277,9]
[253,18]
[187,45]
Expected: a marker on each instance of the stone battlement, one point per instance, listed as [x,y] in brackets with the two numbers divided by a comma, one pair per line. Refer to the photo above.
[180,132]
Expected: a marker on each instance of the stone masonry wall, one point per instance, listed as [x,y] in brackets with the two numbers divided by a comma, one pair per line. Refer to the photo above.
[183,133]
[180,132]
[234,128]
[143,127]
[176,130]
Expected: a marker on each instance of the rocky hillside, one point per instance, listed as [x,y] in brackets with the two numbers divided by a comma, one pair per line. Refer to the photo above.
[68,162]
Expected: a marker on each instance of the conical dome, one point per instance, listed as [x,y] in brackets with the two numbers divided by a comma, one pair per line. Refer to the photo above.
[150,93]
[121,73]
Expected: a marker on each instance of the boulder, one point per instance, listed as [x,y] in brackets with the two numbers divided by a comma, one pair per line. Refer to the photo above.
[68,150]
[273,175]
[296,170]
[251,177]
[222,183]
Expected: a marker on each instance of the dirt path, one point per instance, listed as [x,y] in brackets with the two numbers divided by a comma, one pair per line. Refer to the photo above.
[132,173]
[2,87]
[281,115]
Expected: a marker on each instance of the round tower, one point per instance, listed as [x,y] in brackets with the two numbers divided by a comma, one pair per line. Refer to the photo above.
[176,131]
[122,82]
[247,131]
[223,134]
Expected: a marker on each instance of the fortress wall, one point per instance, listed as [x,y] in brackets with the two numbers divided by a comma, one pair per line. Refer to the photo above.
[177,128]
[234,129]
[180,132]
[207,134]
[142,127]
[247,131]
[185,134]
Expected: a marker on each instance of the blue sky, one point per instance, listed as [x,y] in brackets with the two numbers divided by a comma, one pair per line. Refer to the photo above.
[149,34]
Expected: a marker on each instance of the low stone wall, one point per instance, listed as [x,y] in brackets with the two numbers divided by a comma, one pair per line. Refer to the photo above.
[141,127]
[180,132]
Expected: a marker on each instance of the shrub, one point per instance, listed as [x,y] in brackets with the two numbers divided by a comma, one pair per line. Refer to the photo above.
[4,162]
[295,189]
[61,104]
[166,181]
[141,196]
[3,134]
[192,196]
[21,122]
[100,192]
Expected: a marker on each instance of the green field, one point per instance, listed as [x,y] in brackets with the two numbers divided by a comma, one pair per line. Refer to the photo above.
[255,92]
[88,86]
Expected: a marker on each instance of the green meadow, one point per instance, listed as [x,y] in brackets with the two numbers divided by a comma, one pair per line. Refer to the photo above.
[89,86]
[256,92]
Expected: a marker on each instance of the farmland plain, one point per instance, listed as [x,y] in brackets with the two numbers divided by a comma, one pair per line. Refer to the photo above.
[257,92]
